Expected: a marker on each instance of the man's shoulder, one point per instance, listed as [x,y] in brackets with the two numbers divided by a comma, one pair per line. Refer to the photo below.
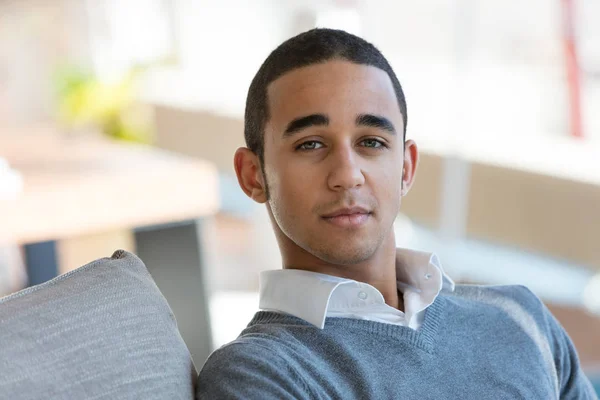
[519,293]
[513,310]
[249,346]
[252,366]
[258,344]
[510,299]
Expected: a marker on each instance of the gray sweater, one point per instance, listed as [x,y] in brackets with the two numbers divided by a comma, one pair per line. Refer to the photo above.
[480,342]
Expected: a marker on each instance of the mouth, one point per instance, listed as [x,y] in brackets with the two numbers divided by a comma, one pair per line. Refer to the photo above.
[352,217]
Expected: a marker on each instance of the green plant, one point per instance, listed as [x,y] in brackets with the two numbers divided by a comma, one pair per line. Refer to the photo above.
[84,100]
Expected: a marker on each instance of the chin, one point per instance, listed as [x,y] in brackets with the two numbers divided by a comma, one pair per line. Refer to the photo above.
[345,253]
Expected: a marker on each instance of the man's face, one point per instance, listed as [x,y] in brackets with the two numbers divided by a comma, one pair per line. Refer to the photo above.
[333,160]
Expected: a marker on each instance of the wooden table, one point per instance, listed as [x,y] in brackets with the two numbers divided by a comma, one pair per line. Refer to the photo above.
[87,184]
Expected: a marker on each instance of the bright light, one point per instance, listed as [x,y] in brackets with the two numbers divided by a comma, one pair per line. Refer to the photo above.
[591,295]
[347,19]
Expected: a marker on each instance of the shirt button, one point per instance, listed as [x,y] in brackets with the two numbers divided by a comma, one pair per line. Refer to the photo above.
[427,276]
[362,295]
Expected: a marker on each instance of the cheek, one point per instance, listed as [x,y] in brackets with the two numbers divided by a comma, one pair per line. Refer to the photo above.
[291,188]
[388,186]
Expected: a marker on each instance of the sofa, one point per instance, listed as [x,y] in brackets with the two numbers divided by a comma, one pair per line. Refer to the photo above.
[102,331]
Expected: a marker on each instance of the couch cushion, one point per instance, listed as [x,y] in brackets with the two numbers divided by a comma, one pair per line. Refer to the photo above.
[102,331]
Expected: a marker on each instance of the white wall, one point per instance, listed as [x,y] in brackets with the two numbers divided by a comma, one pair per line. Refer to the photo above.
[35,37]
[485,68]
[222,45]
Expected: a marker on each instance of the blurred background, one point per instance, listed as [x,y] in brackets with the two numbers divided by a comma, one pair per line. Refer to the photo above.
[503,99]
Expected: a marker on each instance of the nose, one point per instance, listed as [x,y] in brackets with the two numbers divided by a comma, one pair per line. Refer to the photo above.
[345,172]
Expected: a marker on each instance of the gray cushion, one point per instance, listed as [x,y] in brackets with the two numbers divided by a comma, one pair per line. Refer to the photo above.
[102,331]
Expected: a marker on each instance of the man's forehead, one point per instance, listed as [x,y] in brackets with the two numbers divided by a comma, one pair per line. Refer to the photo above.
[340,71]
[315,86]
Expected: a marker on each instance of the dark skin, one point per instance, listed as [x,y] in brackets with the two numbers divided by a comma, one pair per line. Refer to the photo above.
[336,166]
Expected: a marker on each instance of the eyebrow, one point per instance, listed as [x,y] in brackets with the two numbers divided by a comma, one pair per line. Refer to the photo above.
[301,123]
[375,121]
[370,120]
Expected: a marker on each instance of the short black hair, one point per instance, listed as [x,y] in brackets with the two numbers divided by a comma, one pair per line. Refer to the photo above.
[311,47]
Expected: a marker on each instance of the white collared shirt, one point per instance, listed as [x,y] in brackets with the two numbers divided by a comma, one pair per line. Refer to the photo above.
[313,296]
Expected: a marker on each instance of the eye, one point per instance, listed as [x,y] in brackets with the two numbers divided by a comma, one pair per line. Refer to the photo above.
[310,145]
[373,143]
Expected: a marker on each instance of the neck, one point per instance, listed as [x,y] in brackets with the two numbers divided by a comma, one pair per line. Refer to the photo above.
[379,270]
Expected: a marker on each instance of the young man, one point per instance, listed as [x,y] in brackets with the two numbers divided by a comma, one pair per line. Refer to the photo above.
[350,316]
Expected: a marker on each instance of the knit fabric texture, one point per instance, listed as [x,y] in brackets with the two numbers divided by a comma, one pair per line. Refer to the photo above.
[102,331]
[479,342]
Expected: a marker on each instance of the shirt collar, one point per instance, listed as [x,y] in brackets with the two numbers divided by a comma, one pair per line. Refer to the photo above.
[307,295]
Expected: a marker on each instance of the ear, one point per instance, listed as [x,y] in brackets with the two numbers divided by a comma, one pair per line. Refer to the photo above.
[411,159]
[249,174]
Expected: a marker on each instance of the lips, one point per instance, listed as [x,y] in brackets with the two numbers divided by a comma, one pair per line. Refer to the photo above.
[353,217]
[347,212]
